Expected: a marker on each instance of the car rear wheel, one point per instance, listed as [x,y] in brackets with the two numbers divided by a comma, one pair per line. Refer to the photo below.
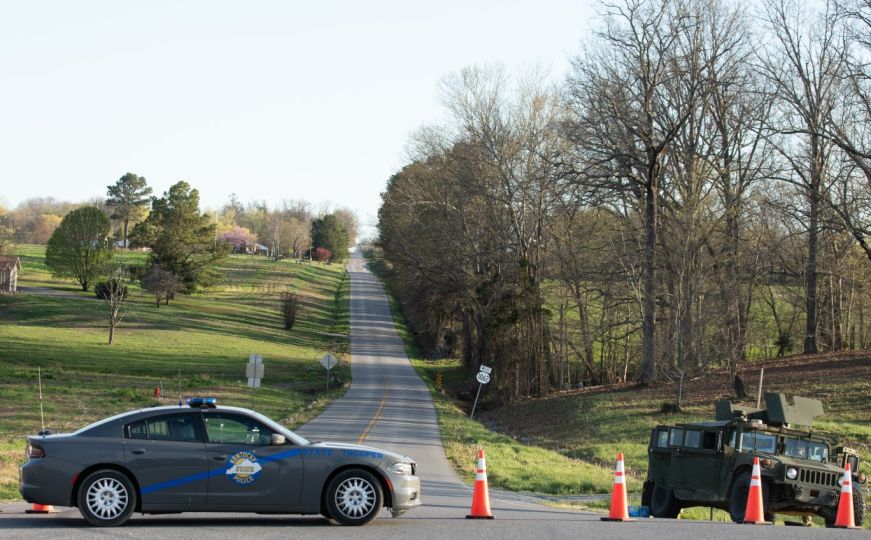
[106,498]
[354,497]
[663,503]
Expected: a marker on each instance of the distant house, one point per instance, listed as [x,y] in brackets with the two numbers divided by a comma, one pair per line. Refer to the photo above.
[9,268]
[256,249]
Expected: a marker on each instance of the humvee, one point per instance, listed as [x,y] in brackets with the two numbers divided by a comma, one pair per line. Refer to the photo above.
[709,463]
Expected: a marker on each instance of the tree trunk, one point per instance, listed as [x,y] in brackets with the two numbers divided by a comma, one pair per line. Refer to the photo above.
[810,338]
[648,374]
[126,223]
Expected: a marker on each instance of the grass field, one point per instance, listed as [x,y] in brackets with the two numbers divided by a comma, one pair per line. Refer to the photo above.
[567,443]
[198,344]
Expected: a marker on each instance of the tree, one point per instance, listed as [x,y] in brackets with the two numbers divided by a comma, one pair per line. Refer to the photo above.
[114,294]
[806,73]
[129,198]
[328,232]
[79,248]
[322,254]
[349,222]
[182,240]
[162,284]
[7,232]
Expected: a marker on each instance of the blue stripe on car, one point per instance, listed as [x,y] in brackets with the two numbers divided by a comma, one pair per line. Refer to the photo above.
[216,472]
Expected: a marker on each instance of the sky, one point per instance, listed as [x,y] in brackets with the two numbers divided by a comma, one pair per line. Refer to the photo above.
[270,100]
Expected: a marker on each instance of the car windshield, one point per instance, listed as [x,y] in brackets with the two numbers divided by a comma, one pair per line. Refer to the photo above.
[291,436]
[806,449]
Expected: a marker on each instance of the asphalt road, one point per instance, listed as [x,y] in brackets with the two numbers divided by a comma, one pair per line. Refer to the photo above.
[389,406]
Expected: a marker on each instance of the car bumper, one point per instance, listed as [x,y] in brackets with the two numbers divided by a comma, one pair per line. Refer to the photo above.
[42,483]
[405,493]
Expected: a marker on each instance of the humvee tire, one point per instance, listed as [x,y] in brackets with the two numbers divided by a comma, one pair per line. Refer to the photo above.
[663,503]
[858,506]
[738,497]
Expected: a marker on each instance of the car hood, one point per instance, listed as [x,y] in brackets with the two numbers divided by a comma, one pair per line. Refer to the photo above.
[391,456]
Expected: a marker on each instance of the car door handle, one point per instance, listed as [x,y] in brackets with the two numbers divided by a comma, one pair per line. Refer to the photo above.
[220,457]
[138,451]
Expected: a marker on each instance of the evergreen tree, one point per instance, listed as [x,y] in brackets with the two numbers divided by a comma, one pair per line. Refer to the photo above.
[129,198]
[182,240]
[328,232]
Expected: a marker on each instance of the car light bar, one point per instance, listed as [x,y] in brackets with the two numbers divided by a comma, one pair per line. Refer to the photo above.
[202,402]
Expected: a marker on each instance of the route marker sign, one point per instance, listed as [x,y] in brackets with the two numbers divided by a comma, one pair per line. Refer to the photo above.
[483,377]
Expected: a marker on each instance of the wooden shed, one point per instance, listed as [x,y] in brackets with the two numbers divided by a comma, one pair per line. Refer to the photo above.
[9,268]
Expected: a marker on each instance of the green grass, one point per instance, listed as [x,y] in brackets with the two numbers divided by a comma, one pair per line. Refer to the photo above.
[198,344]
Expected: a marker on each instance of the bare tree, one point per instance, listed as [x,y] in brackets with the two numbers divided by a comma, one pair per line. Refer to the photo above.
[114,294]
[805,69]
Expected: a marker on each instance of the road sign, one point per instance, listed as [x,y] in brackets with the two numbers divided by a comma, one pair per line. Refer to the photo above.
[329,361]
[485,369]
[482,377]
[254,370]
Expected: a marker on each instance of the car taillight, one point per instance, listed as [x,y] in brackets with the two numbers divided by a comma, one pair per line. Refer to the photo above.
[35,452]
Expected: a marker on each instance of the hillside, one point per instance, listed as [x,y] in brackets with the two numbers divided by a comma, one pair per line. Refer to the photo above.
[195,345]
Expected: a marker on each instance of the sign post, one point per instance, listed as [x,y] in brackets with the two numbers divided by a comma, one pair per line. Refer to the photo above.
[483,377]
[254,371]
[329,362]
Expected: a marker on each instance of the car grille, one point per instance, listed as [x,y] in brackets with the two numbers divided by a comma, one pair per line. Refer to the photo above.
[809,476]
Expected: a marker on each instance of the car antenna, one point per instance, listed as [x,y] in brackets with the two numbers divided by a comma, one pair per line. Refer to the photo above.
[43,431]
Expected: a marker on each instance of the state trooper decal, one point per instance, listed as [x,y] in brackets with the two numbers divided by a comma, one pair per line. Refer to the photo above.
[242,468]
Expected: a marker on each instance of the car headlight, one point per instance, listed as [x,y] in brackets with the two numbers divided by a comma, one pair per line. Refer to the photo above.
[401,468]
[792,473]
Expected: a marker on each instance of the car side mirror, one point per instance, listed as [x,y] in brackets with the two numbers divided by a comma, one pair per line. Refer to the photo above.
[278,439]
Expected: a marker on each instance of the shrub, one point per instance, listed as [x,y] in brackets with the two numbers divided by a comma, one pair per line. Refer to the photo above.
[104,288]
[289,306]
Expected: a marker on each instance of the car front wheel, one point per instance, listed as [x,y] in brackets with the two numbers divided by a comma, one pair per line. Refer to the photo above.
[354,497]
[106,498]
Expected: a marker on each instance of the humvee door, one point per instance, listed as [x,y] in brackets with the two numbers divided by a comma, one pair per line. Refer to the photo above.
[696,456]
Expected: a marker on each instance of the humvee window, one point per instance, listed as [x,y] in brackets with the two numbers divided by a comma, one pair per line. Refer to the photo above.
[693,439]
[675,437]
[709,440]
[661,439]
[759,442]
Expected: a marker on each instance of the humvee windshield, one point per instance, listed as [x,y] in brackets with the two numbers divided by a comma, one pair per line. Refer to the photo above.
[805,449]
[796,447]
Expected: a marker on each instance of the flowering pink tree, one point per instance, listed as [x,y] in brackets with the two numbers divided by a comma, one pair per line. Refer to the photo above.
[323,254]
[239,237]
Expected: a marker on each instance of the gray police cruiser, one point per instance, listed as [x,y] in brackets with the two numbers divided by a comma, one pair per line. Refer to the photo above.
[206,458]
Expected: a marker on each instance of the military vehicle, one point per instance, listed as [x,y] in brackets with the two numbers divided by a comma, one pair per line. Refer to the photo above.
[709,463]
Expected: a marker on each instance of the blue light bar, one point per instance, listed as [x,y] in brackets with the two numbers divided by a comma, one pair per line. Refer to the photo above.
[202,402]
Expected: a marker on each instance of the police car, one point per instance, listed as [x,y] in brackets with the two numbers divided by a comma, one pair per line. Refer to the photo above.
[209,458]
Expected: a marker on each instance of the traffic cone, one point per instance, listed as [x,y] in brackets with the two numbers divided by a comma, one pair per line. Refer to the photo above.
[41,509]
[481,495]
[845,518]
[619,497]
[754,513]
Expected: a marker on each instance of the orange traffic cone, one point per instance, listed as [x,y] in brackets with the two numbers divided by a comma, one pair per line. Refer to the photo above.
[41,509]
[845,518]
[481,495]
[619,496]
[754,513]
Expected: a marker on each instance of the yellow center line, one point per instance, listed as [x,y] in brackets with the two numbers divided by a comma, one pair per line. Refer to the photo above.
[376,417]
